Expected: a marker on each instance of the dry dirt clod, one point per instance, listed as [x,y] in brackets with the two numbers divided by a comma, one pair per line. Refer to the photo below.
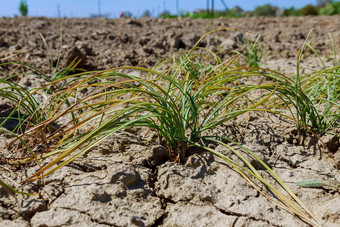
[76,56]
[157,155]
[127,175]
[332,142]
[31,206]
[337,159]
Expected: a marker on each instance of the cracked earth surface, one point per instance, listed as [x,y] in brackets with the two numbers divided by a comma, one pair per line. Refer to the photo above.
[127,180]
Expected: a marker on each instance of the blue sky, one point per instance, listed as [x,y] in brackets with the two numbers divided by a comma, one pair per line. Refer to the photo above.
[112,8]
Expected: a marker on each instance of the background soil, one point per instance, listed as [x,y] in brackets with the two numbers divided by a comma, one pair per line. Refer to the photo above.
[126,181]
[108,43]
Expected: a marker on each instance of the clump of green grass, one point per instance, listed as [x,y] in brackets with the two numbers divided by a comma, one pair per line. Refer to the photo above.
[312,100]
[323,89]
[252,52]
[181,103]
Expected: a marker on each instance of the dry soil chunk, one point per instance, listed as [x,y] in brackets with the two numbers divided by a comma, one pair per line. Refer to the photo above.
[183,214]
[14,223]
[178,182]
[113,203]
[63,217]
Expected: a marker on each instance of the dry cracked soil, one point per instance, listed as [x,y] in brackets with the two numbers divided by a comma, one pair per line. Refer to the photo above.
[127,181]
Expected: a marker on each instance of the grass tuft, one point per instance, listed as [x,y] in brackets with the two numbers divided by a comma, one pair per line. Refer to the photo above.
[73,113]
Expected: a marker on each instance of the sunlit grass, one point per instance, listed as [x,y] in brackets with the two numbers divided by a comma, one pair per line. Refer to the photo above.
[195,94]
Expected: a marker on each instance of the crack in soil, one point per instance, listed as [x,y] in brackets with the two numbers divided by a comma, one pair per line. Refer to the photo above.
[49,202]
[164,201]
[238,215]
[88,215]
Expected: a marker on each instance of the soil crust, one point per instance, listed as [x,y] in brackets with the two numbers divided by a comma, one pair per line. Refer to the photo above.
[127,181]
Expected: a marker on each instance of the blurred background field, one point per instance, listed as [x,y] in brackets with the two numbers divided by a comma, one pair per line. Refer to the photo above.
[170,8]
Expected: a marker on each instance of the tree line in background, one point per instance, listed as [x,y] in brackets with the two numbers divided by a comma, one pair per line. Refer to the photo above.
[322,7]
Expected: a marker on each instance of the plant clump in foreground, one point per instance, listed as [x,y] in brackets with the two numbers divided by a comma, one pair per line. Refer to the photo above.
[73,113]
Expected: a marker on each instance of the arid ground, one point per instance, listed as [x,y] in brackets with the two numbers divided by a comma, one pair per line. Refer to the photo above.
[127,180]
